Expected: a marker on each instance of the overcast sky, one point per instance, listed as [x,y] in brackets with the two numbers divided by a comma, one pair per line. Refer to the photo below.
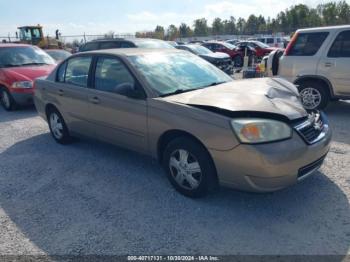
[128,16]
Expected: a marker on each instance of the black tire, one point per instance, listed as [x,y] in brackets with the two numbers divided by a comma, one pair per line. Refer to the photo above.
[65,137]
[7,103]
[318,88]
[197,154]
[237,61]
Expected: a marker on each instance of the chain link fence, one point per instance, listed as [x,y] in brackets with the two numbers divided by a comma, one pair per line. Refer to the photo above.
[79,39]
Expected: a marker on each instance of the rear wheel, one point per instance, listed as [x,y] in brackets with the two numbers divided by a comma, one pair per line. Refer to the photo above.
[7,100]
[189,167]
[314,95]
[58,128]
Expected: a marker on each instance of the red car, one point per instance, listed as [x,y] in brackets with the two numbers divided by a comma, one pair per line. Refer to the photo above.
[20,65]
[261,49]
[223,47]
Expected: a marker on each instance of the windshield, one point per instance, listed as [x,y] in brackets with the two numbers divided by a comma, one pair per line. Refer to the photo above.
[22,56]
[200,50]
[260,44]
[58,55]
[153,44]
[172,72]
[228,45]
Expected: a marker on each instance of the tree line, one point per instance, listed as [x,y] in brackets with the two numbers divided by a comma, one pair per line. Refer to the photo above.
[288,21]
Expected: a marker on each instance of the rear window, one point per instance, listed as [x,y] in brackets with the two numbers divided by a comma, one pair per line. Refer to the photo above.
[109,45]
[341,45]
[307,44]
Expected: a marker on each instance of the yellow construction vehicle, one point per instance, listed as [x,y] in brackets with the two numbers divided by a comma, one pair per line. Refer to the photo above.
[34,35]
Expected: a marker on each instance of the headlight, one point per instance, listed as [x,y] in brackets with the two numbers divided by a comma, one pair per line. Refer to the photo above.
[257,130]
[22,84]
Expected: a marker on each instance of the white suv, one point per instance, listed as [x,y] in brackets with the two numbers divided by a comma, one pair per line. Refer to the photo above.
[317,60]
[272,41]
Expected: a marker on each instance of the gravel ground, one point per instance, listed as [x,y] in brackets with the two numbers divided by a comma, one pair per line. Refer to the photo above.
[92,198]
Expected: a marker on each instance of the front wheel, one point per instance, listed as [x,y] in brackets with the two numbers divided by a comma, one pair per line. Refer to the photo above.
[7,101]
[58,128]
[313,95]
[189,167]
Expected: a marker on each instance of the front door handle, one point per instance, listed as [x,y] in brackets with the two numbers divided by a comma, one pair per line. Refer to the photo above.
[328,64]
[95,100]
[60,92]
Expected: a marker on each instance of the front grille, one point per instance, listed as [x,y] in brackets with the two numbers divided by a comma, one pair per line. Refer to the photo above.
[312,128]
[307,170]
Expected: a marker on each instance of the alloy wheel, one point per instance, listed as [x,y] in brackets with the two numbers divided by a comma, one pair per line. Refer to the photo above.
[185,169]
[56,125]
[311,98]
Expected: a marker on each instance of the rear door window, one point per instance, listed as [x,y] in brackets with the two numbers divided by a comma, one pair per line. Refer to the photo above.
[77,71]
[307,44]
[341,45]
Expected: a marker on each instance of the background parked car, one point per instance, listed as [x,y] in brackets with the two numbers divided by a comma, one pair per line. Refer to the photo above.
[272,41]
[58,54]
[260,48]
[20,65]
[220,60]
[235,53]
[317,60]
[124,43]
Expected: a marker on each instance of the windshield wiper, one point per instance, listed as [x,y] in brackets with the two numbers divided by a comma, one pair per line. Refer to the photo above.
[9,65]
[29,64]
[179,91]
[214,84]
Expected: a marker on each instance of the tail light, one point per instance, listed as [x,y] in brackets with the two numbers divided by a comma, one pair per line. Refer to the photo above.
[291,44]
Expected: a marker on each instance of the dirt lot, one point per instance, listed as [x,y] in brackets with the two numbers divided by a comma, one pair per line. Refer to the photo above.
[92,198]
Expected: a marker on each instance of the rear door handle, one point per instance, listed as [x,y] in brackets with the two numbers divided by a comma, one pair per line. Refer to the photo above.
[328,64]
[60,92]
[95,100]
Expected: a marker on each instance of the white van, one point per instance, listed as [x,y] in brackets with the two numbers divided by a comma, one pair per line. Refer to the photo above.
[273,41]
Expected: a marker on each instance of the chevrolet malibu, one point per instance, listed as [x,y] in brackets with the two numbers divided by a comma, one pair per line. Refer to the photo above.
[204,127]
[19,66]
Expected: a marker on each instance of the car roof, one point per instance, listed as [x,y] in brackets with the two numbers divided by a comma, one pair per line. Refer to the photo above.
[325,28]
[12,45]
[132,51]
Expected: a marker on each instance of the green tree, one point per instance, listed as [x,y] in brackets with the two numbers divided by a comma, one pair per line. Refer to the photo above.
[241,25]
[230,26]
[251,26]
[185,30]
[201,27]
[159,32]
[172,32]
[343,10]
[217,26]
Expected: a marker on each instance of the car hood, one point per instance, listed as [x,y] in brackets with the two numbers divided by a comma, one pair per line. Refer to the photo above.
[264,95]
[29,73]
[217,55]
